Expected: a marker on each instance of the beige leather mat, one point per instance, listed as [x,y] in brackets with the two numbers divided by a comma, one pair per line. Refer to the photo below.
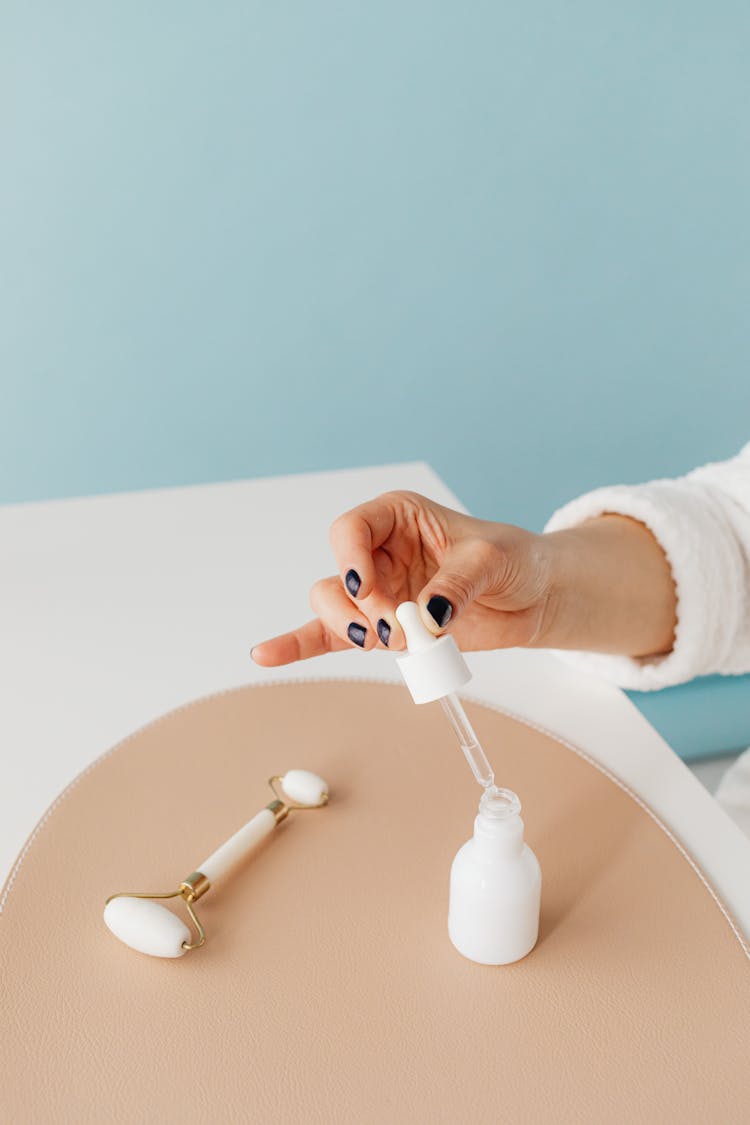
[328,990]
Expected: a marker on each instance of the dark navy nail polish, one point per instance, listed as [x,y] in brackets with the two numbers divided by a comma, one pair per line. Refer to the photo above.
[440,609]
[384,631]
[356,634]
[353,582]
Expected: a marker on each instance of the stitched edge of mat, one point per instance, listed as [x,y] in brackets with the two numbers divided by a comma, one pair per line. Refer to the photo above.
[387,683]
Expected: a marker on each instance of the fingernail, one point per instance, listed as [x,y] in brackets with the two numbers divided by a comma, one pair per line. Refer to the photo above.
[384,631]
[353,582]
[252,653]
[356,634]
[440,609]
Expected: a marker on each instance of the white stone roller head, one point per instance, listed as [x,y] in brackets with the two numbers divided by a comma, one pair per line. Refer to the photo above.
[146,926]
[304,787]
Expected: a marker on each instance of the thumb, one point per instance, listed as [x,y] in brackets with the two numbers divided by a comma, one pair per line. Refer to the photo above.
[468,570]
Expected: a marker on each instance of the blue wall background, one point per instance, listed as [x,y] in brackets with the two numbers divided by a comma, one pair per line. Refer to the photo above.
[511,239]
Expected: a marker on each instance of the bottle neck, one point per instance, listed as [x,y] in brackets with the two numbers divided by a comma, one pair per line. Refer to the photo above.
[498,828]
[495,839]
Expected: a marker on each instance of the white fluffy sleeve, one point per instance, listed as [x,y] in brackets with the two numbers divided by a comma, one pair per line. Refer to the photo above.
[702,521]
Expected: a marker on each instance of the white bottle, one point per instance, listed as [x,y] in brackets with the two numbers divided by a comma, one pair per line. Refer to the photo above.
[495,886]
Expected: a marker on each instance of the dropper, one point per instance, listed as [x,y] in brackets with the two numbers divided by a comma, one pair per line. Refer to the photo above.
[468,740]
[433,668]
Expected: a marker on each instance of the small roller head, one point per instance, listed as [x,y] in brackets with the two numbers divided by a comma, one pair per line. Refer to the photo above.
[304,787]
[146,926]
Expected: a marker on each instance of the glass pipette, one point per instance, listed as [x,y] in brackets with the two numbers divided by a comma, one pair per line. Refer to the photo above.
[468,740]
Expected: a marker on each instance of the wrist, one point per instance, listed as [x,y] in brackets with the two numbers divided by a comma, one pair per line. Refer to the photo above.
[611,589]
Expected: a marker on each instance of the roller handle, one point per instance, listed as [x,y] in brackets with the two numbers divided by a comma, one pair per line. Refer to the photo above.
[238,846]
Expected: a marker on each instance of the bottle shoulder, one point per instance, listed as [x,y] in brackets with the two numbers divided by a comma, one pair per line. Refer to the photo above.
[511,872]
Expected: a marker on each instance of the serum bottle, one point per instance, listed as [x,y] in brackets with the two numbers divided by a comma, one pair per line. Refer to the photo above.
[496,881]
[496,886]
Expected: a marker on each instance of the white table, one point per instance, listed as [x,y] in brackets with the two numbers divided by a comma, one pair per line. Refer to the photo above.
[115,609]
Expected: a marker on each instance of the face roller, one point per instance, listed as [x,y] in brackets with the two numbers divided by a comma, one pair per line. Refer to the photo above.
[146,926]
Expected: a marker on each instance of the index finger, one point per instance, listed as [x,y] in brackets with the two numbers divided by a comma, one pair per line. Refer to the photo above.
[312,639]
[355,536]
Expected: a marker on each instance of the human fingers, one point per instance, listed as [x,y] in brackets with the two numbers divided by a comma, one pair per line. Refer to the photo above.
[311,639]
[469,568]
[355,536]
[341,616]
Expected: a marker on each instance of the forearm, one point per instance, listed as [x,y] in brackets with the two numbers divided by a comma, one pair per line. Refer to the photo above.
[612,589]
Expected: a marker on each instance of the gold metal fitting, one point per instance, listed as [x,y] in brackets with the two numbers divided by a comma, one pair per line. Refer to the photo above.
[194,886]
[279,809]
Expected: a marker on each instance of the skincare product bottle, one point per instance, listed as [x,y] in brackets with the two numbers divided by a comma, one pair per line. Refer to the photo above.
[495,886]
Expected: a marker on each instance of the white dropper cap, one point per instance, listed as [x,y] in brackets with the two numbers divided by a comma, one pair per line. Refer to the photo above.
[433,667]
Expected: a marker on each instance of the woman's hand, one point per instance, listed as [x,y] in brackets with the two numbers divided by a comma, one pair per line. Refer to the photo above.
[488,583]
[604,586]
